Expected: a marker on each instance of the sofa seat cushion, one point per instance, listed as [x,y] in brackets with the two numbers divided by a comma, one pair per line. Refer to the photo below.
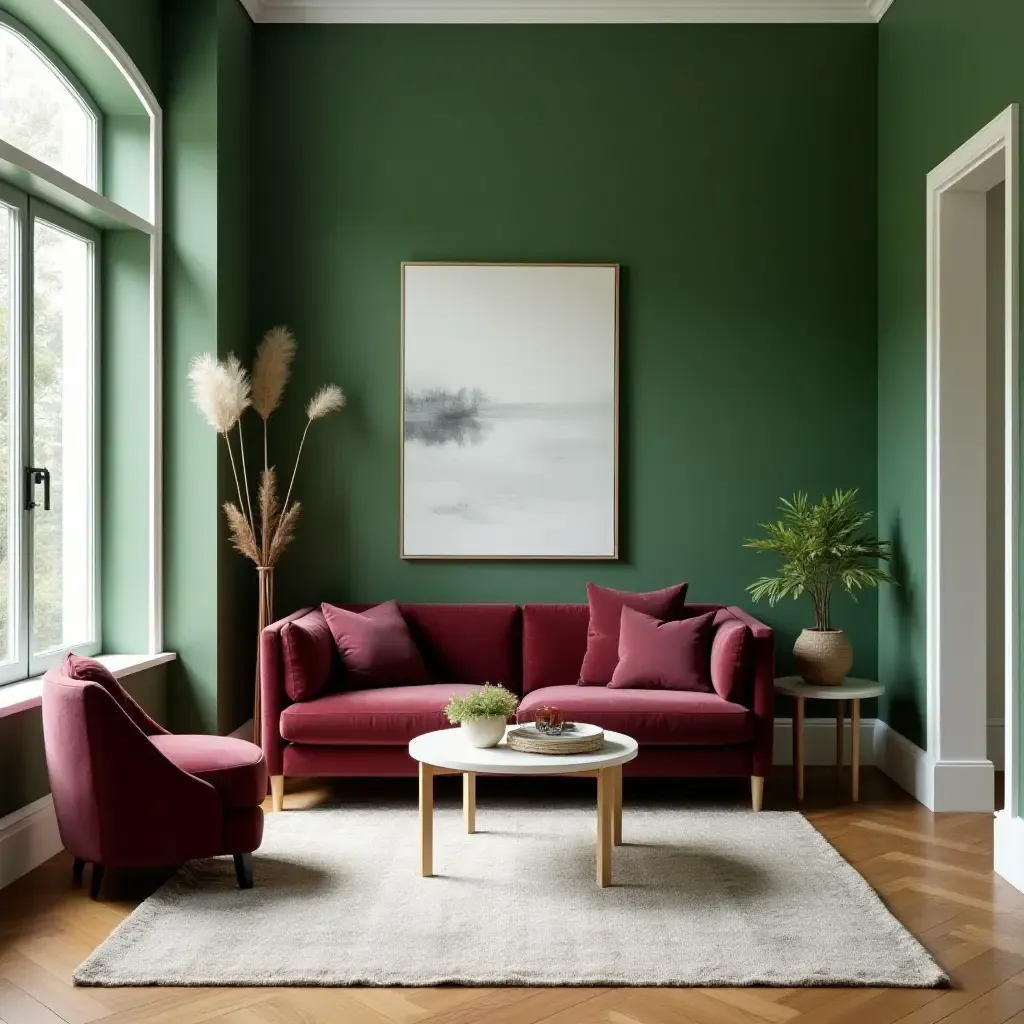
[235,768]
[388,715]
[655,717]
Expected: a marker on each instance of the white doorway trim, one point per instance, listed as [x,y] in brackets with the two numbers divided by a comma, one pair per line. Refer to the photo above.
[962,777]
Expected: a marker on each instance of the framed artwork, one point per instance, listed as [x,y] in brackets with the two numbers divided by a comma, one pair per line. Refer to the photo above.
[510,411]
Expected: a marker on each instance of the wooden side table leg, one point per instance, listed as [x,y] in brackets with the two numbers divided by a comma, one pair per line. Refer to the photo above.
[840,730]
[426,820]
[469,801]
[617,809]
[798,748]
[605,814]
[855,751]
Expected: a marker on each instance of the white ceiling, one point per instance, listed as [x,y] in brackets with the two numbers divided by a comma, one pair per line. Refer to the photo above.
[565,11]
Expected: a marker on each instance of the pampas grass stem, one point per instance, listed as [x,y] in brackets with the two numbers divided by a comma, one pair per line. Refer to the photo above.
[295,470]
[245,473]
[234,470]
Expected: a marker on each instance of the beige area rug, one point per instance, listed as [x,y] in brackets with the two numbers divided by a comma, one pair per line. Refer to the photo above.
[700,898]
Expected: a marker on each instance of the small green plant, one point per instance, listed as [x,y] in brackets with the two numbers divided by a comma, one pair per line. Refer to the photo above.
[486,703]
[822,549]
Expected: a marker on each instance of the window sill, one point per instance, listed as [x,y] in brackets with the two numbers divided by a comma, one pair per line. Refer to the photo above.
[15,697]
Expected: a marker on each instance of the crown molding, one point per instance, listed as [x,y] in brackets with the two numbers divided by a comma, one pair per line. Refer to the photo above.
[353,12]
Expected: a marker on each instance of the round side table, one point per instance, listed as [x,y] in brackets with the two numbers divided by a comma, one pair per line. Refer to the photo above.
[852,690]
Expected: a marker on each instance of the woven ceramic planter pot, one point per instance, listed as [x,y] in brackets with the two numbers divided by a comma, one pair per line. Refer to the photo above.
[823,657]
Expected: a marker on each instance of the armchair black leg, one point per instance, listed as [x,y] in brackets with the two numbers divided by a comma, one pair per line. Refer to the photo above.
[78,870]
[96,881]
[243,870]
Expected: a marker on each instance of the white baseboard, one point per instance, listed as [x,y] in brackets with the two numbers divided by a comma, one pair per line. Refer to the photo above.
[820,741]
[28,838]
[940,785]
[1010,849]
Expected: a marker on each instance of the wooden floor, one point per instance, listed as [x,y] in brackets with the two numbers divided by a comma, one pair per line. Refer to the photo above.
[934,872]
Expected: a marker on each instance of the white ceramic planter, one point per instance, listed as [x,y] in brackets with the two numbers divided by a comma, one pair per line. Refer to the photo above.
[484,732]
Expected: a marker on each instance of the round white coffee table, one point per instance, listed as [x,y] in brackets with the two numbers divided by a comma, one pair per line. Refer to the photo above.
[852,690]
[446,752]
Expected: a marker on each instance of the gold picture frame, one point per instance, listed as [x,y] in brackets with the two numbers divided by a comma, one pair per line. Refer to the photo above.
[612,554]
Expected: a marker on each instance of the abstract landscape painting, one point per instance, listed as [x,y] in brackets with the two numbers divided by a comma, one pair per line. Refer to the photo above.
[510,444]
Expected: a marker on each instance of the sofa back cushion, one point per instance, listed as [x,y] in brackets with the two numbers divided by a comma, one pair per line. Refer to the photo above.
[308,654]
[466,643]
[555,642]
[656,655]
[605,617]
[376,646]
[731,657]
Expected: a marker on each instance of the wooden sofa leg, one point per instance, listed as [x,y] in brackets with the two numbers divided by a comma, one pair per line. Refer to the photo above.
[277,792]
[96,881]
[757,791]
[77,870]
[243,870]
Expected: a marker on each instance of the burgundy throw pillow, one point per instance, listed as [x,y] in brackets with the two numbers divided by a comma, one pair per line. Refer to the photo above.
[729,659]
[655,655]
[88,670]
[375,646]
[308,649]
[605,616]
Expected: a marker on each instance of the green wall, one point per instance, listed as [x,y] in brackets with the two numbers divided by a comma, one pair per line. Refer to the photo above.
[729,169]
[209,596]
[945,70]
[237,594]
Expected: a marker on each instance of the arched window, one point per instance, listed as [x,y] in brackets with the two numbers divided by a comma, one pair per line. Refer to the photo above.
[48,356]
[42,111]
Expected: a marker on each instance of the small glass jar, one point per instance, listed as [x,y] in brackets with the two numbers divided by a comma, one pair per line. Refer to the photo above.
[549,720]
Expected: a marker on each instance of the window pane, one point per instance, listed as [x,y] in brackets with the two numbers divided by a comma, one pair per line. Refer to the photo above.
[8,241]
[62,441]
[41,114]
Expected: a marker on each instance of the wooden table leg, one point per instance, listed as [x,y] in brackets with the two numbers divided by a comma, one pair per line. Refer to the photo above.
[798,748]
[617,809]
[469,801]
[426,820]
[605,814]
[855,749]
[840,730]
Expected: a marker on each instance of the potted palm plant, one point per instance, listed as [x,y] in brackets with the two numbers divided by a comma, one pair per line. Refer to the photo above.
[822,550]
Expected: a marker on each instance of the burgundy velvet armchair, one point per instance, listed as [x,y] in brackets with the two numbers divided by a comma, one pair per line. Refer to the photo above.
[129,794]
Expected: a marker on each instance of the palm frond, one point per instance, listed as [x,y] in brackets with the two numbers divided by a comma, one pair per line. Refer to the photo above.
[822,547]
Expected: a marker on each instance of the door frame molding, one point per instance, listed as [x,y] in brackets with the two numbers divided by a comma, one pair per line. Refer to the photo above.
[962,775]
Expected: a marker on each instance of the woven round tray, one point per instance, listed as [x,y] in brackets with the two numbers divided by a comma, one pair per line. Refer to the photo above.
[528,740]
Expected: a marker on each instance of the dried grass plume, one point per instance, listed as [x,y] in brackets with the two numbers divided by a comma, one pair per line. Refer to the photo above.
[220,390]
[285,533]
[269,512]
[330,398]
[242,538]
[271,370]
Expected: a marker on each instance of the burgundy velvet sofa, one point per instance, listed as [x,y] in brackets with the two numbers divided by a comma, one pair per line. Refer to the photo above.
[535,651]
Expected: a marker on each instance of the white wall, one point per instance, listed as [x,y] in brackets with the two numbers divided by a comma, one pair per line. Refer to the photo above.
[996,321]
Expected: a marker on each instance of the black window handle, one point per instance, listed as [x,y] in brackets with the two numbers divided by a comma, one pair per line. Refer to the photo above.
[37,475]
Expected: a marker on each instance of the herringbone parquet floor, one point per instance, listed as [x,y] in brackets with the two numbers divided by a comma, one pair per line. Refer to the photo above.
[934,871]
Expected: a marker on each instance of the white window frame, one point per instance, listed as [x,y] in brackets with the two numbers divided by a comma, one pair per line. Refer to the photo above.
[28,210]
[25,662]
[70,82]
